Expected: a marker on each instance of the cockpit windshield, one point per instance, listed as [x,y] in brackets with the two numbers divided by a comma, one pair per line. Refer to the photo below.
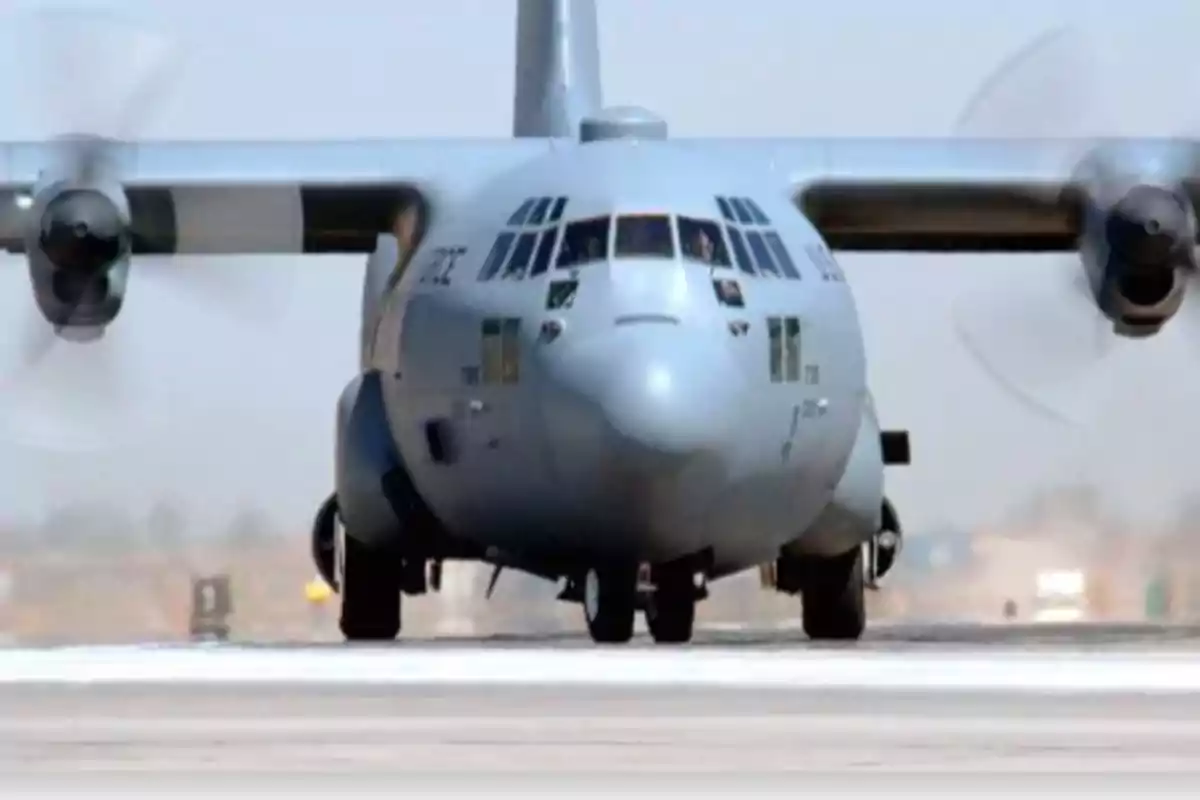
[702,241]
[583,242]
[644,236]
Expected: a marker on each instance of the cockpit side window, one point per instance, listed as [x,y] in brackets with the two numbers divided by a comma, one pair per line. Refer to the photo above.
[701,240]
[518,217]
[495,257]
[756,213]
[740,253]
[766,265]
[541,260]
[560,205]
[740,210]
[518,262]
[647,236]
[726,209]
[782,256]
[584,241]
[538,216]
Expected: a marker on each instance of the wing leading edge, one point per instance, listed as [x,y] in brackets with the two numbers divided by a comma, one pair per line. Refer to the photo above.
[948,195]
[935,195]
[275,197]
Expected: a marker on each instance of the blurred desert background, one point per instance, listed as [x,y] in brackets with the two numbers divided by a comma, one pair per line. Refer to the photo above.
[131,580]
[195,440]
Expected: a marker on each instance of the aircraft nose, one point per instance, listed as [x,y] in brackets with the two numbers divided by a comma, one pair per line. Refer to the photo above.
[662,399]
[643,427]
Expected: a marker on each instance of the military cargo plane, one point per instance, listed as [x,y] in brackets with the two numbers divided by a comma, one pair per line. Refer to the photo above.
[593,352]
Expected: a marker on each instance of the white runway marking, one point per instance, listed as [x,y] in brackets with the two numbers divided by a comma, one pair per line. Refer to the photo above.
[992,670]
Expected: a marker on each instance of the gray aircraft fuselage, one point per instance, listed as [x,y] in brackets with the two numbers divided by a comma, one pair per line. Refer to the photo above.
[642,419]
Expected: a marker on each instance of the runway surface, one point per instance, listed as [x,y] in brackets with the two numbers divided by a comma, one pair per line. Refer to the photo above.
[887,713]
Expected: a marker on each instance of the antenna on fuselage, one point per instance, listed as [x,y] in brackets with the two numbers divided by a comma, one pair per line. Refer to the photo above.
[557,67]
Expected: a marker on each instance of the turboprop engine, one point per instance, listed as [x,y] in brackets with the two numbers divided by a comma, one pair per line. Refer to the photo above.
[1130,202]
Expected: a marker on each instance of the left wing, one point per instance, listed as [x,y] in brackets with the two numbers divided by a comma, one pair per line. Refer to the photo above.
[941,195]
[272,197]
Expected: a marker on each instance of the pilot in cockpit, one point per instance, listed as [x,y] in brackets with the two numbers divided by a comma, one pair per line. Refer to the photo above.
[583,242]
[700,246]
[593,247]
[702,242]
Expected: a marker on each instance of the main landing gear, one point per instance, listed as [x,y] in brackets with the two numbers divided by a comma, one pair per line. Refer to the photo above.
[370,579]
[612,595]
[368,585]
[832,593]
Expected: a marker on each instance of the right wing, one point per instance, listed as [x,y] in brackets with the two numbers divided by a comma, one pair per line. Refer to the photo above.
[274,197]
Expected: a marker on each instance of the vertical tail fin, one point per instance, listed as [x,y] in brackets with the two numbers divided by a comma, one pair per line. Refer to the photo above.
[557,67]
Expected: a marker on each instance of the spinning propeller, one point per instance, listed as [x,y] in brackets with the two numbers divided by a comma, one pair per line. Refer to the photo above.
[92,81]
[1044,337]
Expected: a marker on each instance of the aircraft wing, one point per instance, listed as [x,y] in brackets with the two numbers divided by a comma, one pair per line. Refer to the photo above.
[939,195]
[273,197]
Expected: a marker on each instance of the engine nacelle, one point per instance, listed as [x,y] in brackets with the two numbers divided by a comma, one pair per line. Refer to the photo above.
[77,241]
[1139,304]
[67,300]
[1137,241]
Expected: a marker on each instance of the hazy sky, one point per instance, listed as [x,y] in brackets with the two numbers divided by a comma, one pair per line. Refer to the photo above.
[216,413]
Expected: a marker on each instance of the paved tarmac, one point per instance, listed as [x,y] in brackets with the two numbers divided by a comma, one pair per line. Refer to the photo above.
[885,714]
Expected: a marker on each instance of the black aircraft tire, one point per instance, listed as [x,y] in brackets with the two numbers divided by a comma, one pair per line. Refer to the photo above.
[671,610]
[324,535]
[369,593]
[833,600]
[610,604]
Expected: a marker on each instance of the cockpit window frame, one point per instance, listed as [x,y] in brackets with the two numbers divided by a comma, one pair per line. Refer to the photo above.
[783,257]
[543,254]
[726,209]
[556,211]
[537,216]
[497,257]
[565,243]
[741,251]
[759,216]
[761,251]
[519,216]
[520,257]
[668,228]
[739,209]
[711,228]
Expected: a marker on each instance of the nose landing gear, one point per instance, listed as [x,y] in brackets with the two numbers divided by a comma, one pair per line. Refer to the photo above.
[612,595]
